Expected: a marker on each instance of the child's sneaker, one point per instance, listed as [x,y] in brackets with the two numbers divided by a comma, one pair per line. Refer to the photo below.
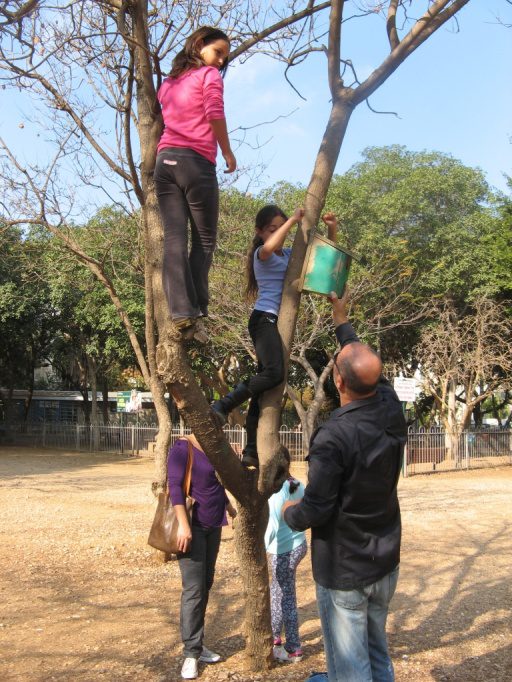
[283,656]
[277,641]
[277,651]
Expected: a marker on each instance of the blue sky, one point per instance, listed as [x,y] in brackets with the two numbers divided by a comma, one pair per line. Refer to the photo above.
[454,94]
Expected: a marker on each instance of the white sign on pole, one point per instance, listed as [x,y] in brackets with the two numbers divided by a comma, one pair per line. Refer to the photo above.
[405,389]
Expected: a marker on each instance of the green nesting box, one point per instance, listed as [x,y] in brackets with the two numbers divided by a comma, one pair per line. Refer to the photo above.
[326,267]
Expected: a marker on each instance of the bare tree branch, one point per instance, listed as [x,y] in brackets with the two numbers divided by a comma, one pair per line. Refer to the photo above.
[391,24]
[15,16]
[333,52]
[260,36]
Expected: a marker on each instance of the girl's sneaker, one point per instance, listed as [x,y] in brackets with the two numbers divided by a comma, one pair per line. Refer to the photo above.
[283,656]
[277,651]
[277,641]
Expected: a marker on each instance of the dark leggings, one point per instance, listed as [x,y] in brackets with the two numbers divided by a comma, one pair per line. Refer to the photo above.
[269,351]
[283,596]
[187,190]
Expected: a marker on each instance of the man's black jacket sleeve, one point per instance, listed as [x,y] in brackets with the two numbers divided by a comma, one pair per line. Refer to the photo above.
[320,499]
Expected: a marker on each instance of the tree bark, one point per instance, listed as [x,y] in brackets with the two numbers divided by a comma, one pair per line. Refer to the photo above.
[452,430]
[93,380]
[149,129]
[105,406]
[251,523]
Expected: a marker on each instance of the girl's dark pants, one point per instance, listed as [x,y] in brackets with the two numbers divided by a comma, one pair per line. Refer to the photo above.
[197,569]
[187,190]
[269,351]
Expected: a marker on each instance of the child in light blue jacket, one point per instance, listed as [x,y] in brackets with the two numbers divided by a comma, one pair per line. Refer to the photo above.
[286,549]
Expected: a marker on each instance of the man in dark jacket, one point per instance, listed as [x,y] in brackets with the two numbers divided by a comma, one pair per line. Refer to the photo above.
[351,504]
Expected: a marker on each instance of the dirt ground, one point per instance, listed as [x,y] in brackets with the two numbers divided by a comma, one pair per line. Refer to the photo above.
[82,598]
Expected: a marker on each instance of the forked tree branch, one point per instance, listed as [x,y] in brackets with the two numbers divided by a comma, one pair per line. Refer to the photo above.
[438,13]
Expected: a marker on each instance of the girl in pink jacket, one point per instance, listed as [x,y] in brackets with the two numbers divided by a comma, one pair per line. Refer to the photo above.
[186,185]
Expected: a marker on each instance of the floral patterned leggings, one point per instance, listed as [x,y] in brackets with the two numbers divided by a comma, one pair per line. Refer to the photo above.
[283,599]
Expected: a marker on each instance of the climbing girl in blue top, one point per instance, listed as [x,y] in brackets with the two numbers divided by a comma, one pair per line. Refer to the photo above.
[266,268]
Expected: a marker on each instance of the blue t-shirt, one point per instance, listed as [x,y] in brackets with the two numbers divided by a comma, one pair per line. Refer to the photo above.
[279,537]
[270,277]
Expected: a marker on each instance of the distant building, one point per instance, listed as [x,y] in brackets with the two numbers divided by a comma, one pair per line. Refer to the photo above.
[67,406]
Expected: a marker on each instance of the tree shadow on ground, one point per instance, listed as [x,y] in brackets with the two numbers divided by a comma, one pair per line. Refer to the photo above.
[494,666]
[473,605]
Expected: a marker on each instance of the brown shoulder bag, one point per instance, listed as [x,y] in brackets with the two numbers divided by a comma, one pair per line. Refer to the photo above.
[164,531]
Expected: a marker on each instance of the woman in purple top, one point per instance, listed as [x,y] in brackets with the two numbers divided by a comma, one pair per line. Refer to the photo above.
[199,544]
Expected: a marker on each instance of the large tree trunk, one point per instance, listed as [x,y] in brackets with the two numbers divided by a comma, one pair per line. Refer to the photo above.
[149,129]
[154,251]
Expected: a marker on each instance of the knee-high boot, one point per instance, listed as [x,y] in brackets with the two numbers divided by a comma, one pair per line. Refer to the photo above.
[250,452]
[233,399]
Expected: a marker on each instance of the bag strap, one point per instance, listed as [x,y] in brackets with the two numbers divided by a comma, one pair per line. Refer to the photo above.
[188,469]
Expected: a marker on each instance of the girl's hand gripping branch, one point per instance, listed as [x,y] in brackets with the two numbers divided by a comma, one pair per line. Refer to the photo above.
[332,225]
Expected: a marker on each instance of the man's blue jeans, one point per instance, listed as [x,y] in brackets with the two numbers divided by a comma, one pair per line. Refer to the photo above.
[354,630]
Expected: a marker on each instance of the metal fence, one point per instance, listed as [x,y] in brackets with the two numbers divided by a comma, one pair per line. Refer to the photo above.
[427,450]
[437,450]
[135,439]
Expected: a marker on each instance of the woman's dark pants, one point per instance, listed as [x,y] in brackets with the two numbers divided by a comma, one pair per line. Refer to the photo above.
[197,569]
